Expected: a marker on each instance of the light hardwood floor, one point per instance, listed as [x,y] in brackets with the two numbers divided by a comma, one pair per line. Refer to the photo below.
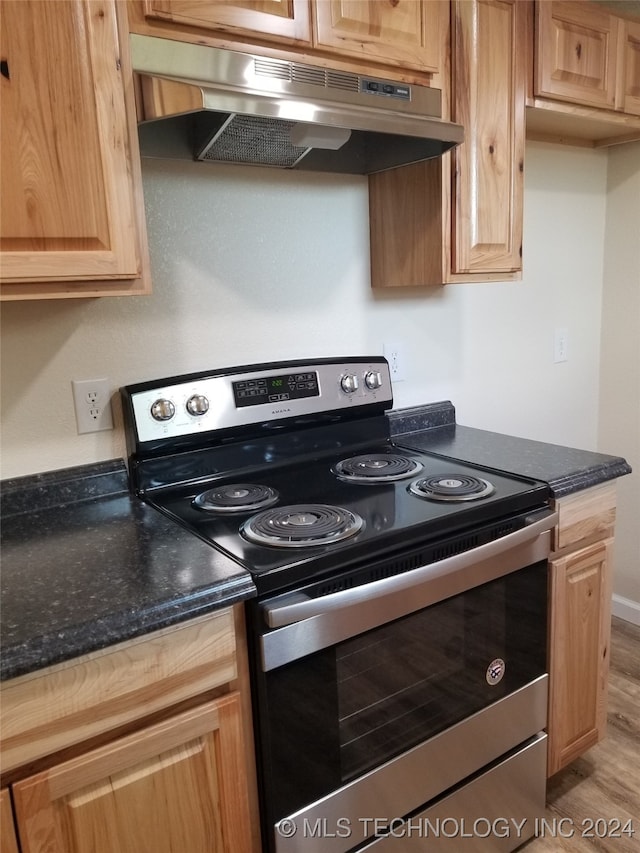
[600,792]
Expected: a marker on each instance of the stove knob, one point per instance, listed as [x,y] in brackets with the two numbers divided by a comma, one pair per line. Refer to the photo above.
[197,405]
[349,383]
[162,410]
[373,380]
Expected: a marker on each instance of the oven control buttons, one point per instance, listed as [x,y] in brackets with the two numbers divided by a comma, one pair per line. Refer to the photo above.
[373,380]
[349,383]
[197,404]
[495,671]
[162,410]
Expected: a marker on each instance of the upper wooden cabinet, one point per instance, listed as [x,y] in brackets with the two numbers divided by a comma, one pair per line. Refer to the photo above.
[576,52]
[488,99]
[72,220]
[586,55]
[405,37]
[628,92]
[384,31]
[459,218]
[280,20]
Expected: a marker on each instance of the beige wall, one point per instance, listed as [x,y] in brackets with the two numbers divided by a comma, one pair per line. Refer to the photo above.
[252,265]
[619,429]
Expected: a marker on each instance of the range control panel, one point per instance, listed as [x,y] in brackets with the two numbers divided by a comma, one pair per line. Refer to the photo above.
[185,406]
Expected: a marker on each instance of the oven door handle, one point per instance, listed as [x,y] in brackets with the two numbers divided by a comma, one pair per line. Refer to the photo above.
[300,625]
[296,606]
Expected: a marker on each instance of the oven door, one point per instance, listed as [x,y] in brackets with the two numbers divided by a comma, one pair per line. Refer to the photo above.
[373,701]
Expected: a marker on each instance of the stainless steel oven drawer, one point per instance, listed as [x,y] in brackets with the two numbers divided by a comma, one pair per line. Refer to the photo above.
[494,813]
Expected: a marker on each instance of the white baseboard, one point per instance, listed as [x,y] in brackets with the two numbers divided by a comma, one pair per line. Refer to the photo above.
[626,609]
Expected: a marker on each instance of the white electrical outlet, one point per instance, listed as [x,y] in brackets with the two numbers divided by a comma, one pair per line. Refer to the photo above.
[394,353]
[560,345]
[92,403]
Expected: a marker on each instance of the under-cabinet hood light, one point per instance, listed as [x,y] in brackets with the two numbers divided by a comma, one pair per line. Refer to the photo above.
[319,136]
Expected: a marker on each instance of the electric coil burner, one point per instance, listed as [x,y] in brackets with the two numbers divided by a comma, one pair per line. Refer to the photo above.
[400,616]
[452,487]
[376,468]
[236,497]
[302,526]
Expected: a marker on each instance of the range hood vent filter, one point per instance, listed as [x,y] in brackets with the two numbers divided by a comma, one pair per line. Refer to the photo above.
[252,139]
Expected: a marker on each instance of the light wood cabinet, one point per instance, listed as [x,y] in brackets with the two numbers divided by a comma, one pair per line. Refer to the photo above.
[144,746]
[401,40]
[580,624]
[576,52]
[278,20]
[489,80]
[459,218]
[406,34]
[628,93]
[8,842]
[584,74]
[72,218]
[172,786]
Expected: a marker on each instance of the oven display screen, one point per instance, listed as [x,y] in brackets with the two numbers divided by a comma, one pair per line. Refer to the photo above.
[275,389]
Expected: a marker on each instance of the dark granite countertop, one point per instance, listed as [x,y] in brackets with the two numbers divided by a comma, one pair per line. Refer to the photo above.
[565,469]
[85,566]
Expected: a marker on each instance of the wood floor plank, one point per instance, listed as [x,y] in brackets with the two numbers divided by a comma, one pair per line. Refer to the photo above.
[594,804]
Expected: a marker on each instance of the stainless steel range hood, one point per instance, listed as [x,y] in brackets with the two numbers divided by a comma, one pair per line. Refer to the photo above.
[211,104]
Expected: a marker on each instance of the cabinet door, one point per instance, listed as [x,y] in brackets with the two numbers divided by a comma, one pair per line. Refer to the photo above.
[576,49]
[177,785]
[489,76]
[459,218]
[628,99]
[405,35]
[273,20]
[580,628]
[8,843]
[68,210]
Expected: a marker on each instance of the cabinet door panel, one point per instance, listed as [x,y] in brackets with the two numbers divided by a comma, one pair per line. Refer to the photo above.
[8,843]
[405,34]
[489,101]
[629,74]
[579,652]
[177,785]
[283,20]
[576,53]
[67,198]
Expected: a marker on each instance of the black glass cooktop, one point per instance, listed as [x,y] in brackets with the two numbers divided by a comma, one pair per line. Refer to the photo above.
[392,516]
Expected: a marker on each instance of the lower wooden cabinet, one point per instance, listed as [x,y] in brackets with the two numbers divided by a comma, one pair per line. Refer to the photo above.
[146,746]
[8,842]
[171,786]
[580,624]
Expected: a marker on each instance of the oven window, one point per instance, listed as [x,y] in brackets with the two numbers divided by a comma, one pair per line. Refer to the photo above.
[341,712]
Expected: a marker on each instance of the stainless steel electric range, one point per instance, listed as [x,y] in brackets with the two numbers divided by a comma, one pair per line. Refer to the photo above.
[398,638]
